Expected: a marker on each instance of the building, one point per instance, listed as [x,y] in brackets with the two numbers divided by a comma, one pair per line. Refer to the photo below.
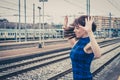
[107,26]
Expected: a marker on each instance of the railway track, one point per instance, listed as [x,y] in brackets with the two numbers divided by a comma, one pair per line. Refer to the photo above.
[62,74]
[16,59]
[67,75]
[38,62]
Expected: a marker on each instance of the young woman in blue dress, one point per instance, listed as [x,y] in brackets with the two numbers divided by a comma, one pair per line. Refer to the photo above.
[84,46]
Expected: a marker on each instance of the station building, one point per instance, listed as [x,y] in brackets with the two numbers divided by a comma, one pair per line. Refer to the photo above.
[107,27]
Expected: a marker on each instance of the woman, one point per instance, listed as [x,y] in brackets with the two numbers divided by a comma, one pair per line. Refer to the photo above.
[85,47]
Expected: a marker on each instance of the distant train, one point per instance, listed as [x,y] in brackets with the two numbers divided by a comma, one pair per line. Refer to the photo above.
[13,34]
[36,34]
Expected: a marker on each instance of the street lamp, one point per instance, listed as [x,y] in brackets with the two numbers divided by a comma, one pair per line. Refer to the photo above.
[25,20]
[19,21]
[43,17]
[16,15]
[39,46]
[110,25]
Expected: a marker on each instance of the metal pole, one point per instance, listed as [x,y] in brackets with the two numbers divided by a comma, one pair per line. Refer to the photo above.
[43,20]
[33,21]
[25,20]
[16,15]
[16,32]
[39,46]
[109,25]
[88,7]
[19,23]
[104,28]
[43,25]
[117,26]
[16,29]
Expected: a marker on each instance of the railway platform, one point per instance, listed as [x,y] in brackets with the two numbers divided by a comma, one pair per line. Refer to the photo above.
[28,42]
[32,50]
[7,54]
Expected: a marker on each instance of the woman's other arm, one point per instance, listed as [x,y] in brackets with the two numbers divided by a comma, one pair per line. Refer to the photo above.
[71,39]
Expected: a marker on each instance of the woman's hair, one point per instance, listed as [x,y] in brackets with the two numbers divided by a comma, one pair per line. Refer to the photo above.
[81,21]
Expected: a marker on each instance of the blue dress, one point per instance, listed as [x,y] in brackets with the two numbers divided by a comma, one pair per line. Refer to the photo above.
[81,61]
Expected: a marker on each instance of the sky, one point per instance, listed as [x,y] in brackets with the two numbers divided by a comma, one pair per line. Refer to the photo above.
[55,10]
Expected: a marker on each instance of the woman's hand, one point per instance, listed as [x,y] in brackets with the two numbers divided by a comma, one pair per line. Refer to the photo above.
[65,22]
[88,25]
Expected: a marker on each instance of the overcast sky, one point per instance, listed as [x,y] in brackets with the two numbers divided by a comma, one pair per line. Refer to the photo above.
[56,9]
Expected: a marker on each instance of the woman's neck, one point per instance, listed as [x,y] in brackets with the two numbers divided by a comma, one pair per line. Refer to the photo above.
[85,35]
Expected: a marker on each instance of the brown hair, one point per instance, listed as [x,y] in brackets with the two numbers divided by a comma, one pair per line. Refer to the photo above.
[81,21]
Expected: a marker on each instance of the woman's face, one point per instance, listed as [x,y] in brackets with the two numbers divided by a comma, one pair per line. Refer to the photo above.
[79,31]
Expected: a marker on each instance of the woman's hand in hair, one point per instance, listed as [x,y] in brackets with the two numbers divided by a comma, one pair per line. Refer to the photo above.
[65,23]
[88,25]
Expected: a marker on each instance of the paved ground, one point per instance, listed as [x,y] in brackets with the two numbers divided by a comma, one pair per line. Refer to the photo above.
[32,50]
[111,71]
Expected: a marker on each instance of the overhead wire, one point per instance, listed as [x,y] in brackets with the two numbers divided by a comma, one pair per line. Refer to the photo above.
[23,15]
[81,7]
[106,4]
[9,2]
[101,10]
[110,8]
[118,1]
[78,6]
[113,5]
[13,9]
[8,8]
[15,4]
